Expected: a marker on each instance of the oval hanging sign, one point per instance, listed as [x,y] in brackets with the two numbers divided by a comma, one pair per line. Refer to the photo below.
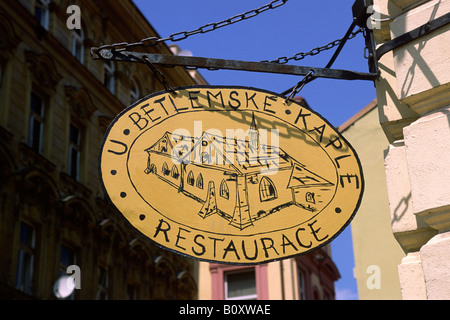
[230,174]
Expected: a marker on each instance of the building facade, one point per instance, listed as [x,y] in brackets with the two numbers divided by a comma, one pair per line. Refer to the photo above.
[413,102]
[376,251]
[306,277]
[55,105]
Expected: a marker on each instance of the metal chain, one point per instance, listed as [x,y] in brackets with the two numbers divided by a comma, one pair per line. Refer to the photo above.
[315,51]
[299,86]
[156,72]
[152,41]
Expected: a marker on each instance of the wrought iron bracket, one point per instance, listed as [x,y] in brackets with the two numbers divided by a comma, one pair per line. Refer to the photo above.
[412,35]
[212,63]
[120,53]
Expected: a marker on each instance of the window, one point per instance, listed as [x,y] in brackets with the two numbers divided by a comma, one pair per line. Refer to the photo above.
[190,178]
[134,91]
[301,285]
[74,152]
[241,285]
[78,44]
[175,173]
[108,80]
[103,284]
[224,191]
[199,182]
[25,258]
[310,197]
[36,123]
[165,169]
[267,189]
[42,12]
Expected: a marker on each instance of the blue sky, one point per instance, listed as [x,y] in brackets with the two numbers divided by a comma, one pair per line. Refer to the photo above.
[297,26]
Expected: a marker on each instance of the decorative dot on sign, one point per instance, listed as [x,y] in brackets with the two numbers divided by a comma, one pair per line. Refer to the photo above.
[113,172]
[126,132]
[123,194]
[142,217]
[338,210]
[287,111]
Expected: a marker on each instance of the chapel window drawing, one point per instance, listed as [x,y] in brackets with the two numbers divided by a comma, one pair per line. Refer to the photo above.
[175,173]
[267,190]
[310,197]
[165,169]
[190,178]
[224,191]
[163,146]
[199,183]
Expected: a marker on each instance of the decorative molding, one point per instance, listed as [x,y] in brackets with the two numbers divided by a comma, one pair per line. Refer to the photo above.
[43,69]
[80,103]
[8,38]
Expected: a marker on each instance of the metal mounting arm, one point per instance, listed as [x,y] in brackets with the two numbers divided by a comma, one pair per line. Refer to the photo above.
[211,63]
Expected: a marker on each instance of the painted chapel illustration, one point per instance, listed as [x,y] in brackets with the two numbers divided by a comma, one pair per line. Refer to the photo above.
[236,190]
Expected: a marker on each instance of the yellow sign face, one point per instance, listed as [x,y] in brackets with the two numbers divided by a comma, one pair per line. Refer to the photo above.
[230,174]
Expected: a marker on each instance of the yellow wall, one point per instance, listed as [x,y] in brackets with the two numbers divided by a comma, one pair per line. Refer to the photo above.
[376,251]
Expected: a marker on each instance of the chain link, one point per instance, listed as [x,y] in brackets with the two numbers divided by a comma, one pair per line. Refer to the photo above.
[156,72]
[301,55]
[152,41]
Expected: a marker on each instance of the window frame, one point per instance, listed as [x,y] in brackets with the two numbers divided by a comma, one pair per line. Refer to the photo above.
[74,147]
[190,180]
[218,277]
[102,283]
[25,269]
[43,7]
[199,181]
[224,191]
[78,44]
[264,193]
[165,169]
[108,78]
[36,118]
[301,275]
[174,172]
[243,297]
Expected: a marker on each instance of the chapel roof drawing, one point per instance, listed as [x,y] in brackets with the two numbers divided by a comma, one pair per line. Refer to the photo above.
[241,161]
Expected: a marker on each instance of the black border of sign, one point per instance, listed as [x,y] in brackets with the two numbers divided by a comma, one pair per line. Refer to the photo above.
[215,261]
